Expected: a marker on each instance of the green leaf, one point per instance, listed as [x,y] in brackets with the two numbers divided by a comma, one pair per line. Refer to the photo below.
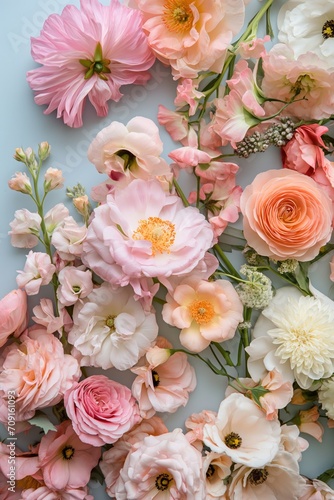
[98,53]
[42,420]
[326,476]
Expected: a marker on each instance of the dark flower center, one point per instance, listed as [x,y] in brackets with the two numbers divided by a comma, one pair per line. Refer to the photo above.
[233,440]
[68,452]
[328,29]
[128,158]
[162,481]
[258,476]
[155,378]
[210,472]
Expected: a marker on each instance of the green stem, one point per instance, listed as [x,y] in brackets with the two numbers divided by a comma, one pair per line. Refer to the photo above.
[180,193]
[225,354]
[226,261]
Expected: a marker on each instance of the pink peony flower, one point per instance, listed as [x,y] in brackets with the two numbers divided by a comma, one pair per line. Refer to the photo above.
[191,36]
[205,311]
[163,387]
[143,231]
[101,410]
[127,152]
[65,461]
[162,467]
[13,315]
[38,371]
[114,458]
[25,229]
[111,329]
[82,57]
[38,271]
[286,215]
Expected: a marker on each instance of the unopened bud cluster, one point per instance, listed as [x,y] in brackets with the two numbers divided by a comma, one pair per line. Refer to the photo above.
[257,291]
[276,135]
[287,266]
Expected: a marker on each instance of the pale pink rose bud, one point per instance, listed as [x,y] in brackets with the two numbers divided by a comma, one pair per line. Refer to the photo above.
[81,203]
[20,182]
[53,179]
[44,149]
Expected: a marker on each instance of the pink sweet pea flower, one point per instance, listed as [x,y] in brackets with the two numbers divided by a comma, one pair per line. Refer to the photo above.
[13,315]
[66,462]
[38,270]
[253,48]
[74,284]
[187,93]
[25,229]
[68,239]
[101,410]
[82,57]
[175,123]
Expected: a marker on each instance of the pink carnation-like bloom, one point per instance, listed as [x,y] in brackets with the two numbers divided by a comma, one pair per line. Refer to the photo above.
[143,231]
[90,53]
[127,152]
[38,371]
[205,311]
[101,410]
[66,462]
[286,215]
[13,315]
[191,36]
[164,382]
[162,467]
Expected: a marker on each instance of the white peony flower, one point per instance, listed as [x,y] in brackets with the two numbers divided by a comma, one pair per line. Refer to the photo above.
[294,335]
[242,432]
[326,397]
[111,329]
[308,26]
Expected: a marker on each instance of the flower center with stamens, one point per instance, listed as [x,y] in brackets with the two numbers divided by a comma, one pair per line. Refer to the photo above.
[128,158]
[328,29]
[177,15]
[210,472]
[162,481]
[202,311]
[155,378]
[161,233]
[258,476]
[110,322]
[233,440]
[68,452]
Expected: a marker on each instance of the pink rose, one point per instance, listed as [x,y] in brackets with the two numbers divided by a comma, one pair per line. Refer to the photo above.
[286,215]
[13,315]
[101,410]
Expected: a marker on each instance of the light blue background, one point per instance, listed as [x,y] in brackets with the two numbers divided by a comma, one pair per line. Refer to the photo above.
[23,124]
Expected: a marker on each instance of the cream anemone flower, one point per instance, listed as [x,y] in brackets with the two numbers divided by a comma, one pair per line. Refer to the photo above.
[308,26]
[294,335]
[242,432]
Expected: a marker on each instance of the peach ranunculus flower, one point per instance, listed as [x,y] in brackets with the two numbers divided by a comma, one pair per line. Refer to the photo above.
[192,36]
[38,371]
[286,215]
[205,311]
[13,315]
[163,385]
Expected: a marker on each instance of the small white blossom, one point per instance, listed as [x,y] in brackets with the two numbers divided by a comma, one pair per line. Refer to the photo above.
[257,291]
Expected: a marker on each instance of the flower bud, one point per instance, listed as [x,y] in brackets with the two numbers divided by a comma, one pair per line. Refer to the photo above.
[20,182]
[20,155]
[53,179]
[44,149]
[82,204]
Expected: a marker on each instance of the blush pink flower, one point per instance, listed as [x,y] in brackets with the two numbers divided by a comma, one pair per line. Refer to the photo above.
[127,152]
[317,490]
[82,58]
[20,182]
[143,231]
[38,271]
[195,424]
[205,311]
[66,462]
[74,284]
[25,229]
[13,315]
[187,94]
[114,458]
[26,463]
[45,493]
[101,410]
[175,123]
[191,36]
[286,215]
[53,179]
[162,467]
[44,315]
[38,371]
[163,387]
[253,48]
[68,239]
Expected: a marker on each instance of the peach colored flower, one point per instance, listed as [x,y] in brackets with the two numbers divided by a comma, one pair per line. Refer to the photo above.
[317,490]
[307,79]
[101,410]
[175,123]
[20,182]
[114,458]
[191,36]
[66,462]
[307,421]
[253,48]
[286,215]
[53,179]
[195,424]
[205,311]
[187,93]
[163,387]
[162,467]
[44,315]
[13,315]
[217,468]
[38,371]
[292,442]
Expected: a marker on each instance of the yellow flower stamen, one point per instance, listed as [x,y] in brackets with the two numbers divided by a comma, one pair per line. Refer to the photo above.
[233,440]
[202,311]
[161,233]
[177,15]
[328,29]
